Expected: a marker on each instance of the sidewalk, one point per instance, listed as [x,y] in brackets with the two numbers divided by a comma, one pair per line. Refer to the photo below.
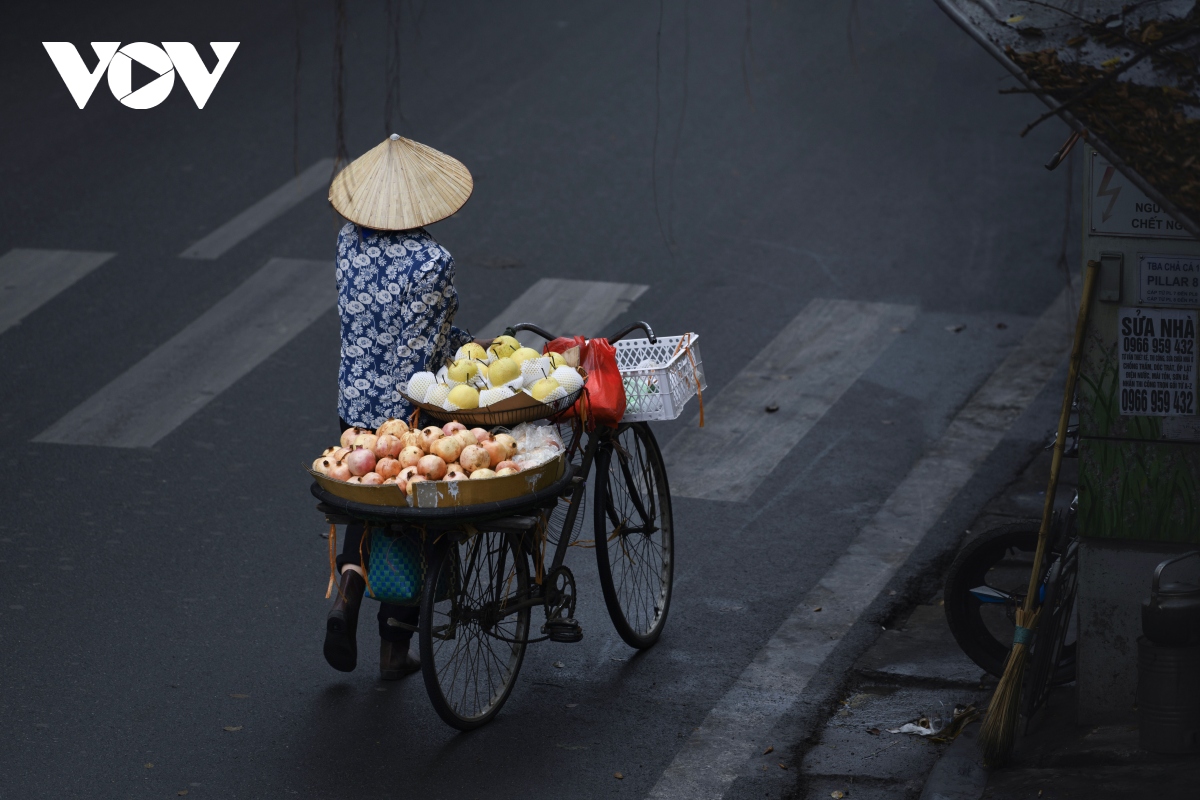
[917,670]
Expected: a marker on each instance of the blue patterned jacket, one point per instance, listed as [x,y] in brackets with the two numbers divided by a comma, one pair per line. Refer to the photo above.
[396,301]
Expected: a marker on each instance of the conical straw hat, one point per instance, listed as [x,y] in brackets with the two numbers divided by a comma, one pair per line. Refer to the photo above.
[400,184]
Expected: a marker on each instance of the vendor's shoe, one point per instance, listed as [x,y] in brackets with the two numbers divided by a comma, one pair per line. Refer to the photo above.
[341,626]
[395,661]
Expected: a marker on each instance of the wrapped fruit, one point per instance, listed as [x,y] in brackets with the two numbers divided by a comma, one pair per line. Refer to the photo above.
[419,384]
[568,378]
[534,369]
[437,394]
[489,396]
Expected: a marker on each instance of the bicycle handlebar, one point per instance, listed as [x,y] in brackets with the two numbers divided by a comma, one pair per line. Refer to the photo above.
[542,332]
[639,324]
[529,326]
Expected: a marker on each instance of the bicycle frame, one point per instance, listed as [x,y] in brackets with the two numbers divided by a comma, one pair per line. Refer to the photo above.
[600,437]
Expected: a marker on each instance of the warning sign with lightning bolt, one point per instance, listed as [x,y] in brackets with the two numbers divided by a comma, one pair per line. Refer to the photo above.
[1118,208]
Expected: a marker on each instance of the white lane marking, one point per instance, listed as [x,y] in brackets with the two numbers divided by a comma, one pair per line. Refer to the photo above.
[29,278]
[803,371]
[565,307]
[264,211]
[735,728]
[175,381]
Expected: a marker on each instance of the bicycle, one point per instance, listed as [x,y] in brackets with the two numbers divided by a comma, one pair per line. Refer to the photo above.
[487,569]
[986,584]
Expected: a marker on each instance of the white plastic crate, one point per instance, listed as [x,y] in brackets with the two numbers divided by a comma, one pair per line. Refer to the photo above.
[659,378]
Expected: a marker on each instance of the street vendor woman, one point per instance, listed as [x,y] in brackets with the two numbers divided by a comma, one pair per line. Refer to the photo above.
[397,302]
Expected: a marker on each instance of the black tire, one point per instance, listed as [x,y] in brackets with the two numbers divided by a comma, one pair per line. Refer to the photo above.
[635,542]
[1000,558]
[470,652]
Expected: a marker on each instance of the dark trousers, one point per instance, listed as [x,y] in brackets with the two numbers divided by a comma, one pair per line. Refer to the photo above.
[350,555]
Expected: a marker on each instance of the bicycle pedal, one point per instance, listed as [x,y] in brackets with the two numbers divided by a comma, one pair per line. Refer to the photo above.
[563,630]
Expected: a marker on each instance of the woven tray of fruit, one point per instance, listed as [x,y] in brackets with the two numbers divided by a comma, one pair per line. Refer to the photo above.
[506,384]
[450,466]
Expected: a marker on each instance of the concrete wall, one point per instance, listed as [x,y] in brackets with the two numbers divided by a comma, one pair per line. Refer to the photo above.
[1114,579]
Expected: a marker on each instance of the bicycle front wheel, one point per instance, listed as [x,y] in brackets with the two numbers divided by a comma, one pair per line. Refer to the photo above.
[472,643]
[996,566]
[635,543]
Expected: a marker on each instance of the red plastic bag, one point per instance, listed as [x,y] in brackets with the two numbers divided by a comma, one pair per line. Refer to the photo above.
[603,401]
[564,343]
[605,390]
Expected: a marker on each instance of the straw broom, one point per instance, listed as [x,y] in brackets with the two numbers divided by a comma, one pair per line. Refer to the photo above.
[999,727]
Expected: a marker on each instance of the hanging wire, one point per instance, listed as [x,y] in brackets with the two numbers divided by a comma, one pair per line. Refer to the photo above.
[657,113]
[679,125]
[393,110]
[748,53]
[851,21]
[296,92]
[1068,228]
[341,154]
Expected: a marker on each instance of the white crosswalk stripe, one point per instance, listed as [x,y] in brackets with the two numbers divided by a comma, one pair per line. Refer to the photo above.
[257,216]
[29,278]
[773,682]
[164,389]
[802,372]
[565,307]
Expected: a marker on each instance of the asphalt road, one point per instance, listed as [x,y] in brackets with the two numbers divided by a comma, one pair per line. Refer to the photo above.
[154,597]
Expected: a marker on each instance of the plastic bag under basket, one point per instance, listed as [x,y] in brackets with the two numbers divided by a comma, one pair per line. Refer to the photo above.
[396,569]
[659,378]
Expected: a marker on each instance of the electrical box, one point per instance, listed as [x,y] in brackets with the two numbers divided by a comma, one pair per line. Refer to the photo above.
[1140,434]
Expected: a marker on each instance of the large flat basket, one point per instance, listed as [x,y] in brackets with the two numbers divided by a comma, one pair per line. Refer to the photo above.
[659,378]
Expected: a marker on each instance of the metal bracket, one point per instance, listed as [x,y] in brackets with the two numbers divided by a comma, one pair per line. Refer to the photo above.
[1111,270]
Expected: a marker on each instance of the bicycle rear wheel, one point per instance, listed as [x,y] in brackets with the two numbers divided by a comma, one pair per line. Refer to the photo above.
[471,648]
[635,543]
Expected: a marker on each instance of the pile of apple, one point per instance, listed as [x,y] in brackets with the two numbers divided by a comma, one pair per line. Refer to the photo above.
[394,454]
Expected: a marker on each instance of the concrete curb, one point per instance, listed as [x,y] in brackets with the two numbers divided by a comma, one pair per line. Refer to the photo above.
[959,774]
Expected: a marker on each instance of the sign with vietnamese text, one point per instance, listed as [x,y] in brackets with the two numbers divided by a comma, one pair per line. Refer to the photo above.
[1168,280]
[1118,208]
[1157,348]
